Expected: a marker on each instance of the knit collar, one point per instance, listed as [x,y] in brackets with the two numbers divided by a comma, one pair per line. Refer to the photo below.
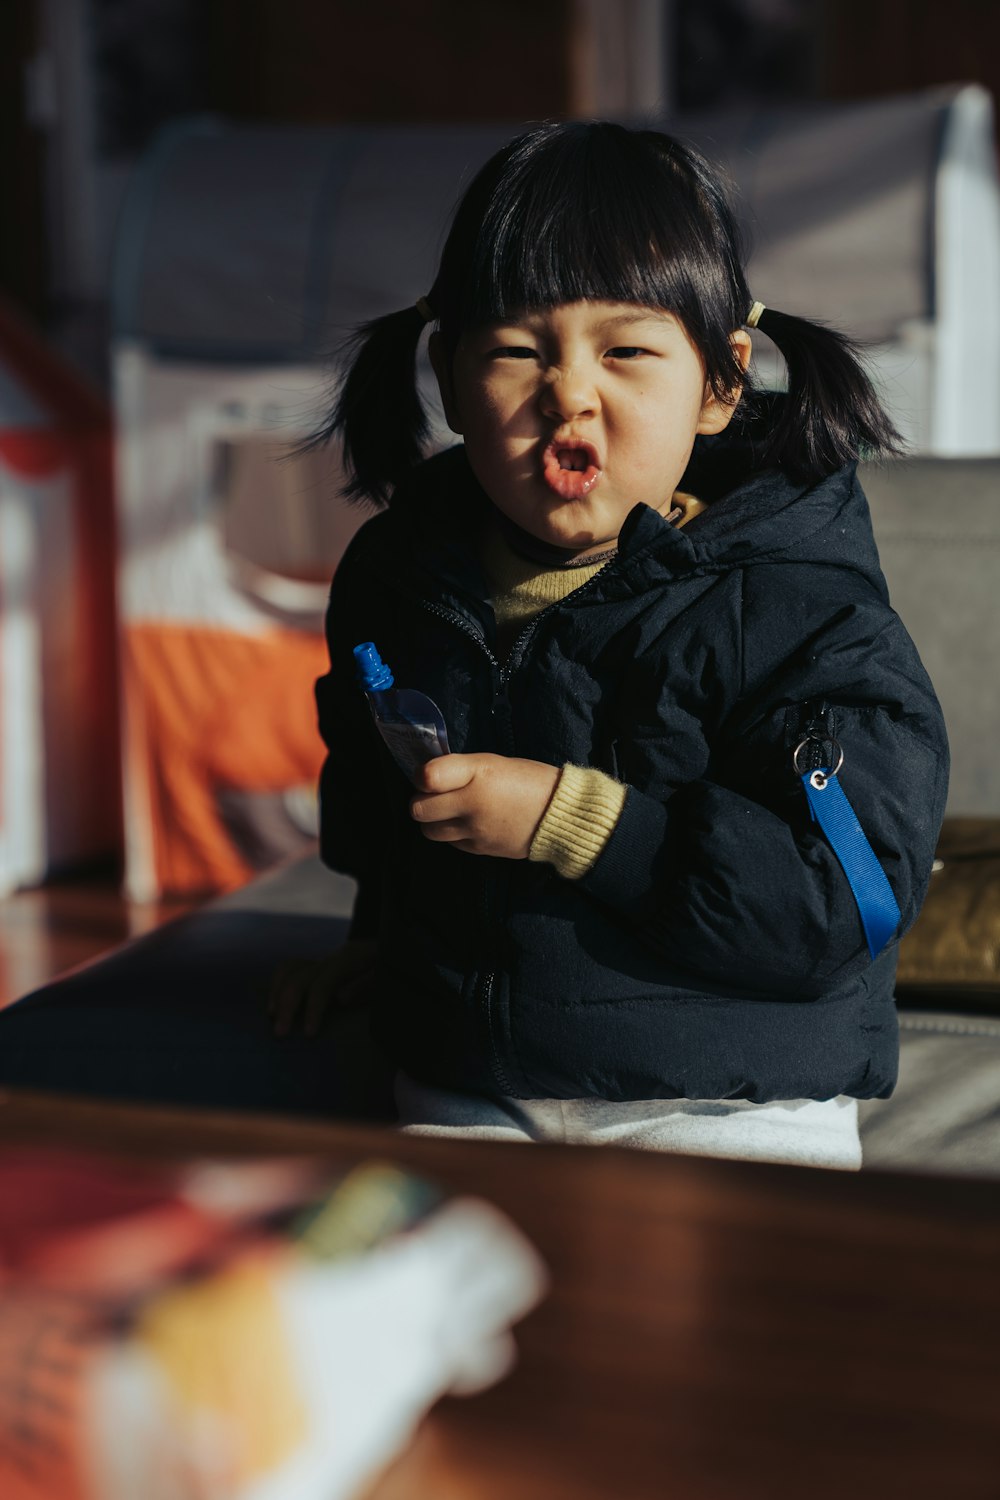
[546,554]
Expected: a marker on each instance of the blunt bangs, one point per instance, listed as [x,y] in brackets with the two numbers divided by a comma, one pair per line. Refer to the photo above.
[591,210]
[595,211]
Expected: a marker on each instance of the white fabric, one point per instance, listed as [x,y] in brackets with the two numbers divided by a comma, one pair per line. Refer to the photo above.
[803,1132]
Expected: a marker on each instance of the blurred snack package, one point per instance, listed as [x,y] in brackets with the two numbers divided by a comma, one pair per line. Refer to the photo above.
[237,1331]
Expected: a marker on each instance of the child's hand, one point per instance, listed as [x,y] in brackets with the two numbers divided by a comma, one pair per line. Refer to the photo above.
[309,986]
[483,804]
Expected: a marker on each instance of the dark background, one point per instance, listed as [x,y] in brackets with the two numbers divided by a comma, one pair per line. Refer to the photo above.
[86,84]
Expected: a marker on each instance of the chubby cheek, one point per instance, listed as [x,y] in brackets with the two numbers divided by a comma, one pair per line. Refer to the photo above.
[493,457]
[659,453]
[496,449]
[639,469]
[486,420]
[508,407]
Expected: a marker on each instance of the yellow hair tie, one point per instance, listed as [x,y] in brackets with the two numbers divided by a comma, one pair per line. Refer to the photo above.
[753,316]
[425,310]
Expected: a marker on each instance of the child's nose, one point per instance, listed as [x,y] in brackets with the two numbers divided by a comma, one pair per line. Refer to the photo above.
[569,393]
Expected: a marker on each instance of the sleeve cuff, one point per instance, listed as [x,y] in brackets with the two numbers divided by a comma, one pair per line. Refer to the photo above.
[632,864]
[579,820]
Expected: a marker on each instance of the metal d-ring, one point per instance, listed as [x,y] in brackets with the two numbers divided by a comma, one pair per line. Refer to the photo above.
[825,774]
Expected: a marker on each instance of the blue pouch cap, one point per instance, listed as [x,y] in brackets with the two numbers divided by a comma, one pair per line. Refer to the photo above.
[373,674]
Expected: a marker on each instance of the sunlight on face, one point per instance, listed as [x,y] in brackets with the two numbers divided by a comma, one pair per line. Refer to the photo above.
[574,414]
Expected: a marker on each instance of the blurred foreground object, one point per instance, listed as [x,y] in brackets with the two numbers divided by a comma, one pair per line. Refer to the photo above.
[59,784]
[221,1331]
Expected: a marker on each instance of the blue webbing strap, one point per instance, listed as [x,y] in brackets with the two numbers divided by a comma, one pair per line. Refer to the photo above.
[880,914]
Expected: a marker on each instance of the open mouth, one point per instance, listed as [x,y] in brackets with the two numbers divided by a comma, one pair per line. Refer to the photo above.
[571,467]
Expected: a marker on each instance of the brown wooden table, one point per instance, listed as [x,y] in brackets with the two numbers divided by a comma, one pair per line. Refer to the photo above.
[714,1329]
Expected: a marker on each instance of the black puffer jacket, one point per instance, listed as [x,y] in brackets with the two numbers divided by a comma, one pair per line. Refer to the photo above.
[715,949]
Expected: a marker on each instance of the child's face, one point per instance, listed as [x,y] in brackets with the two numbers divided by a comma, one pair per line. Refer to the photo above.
[573,414]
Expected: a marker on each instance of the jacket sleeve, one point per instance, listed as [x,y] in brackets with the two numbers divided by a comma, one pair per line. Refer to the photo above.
[728,875]
[351,801]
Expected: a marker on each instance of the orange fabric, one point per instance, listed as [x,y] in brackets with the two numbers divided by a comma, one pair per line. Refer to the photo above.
[206,709]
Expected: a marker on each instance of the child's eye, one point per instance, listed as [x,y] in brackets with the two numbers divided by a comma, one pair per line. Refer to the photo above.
[512,351]
[626,351]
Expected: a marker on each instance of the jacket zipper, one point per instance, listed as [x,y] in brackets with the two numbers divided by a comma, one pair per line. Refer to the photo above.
[454,618]
[500,1077]
[505,672]
[520,647]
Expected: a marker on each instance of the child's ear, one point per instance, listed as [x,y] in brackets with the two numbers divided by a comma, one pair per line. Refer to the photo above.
[442,369]
[716,413]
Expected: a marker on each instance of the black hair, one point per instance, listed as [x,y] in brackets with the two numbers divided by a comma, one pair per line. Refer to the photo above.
[595,210]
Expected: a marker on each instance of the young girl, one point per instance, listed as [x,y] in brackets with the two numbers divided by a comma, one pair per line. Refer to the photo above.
[647,600]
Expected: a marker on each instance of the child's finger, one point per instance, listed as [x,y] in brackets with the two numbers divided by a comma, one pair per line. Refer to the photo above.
[440,808]
[314,1019]
[287,1006]
[317,1000]
[306,987]
[357,990]
[445,773]
[450,832]
[279,979]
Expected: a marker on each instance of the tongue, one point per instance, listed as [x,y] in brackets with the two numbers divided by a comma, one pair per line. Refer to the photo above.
[570,472]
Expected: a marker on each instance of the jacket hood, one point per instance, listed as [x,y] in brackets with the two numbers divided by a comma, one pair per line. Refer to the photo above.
[758,514]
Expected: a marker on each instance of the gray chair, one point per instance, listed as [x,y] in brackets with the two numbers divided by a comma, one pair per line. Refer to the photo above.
[937,523]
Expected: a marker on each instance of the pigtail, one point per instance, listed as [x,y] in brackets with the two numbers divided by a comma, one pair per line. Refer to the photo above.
[377,411]
[832,414]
